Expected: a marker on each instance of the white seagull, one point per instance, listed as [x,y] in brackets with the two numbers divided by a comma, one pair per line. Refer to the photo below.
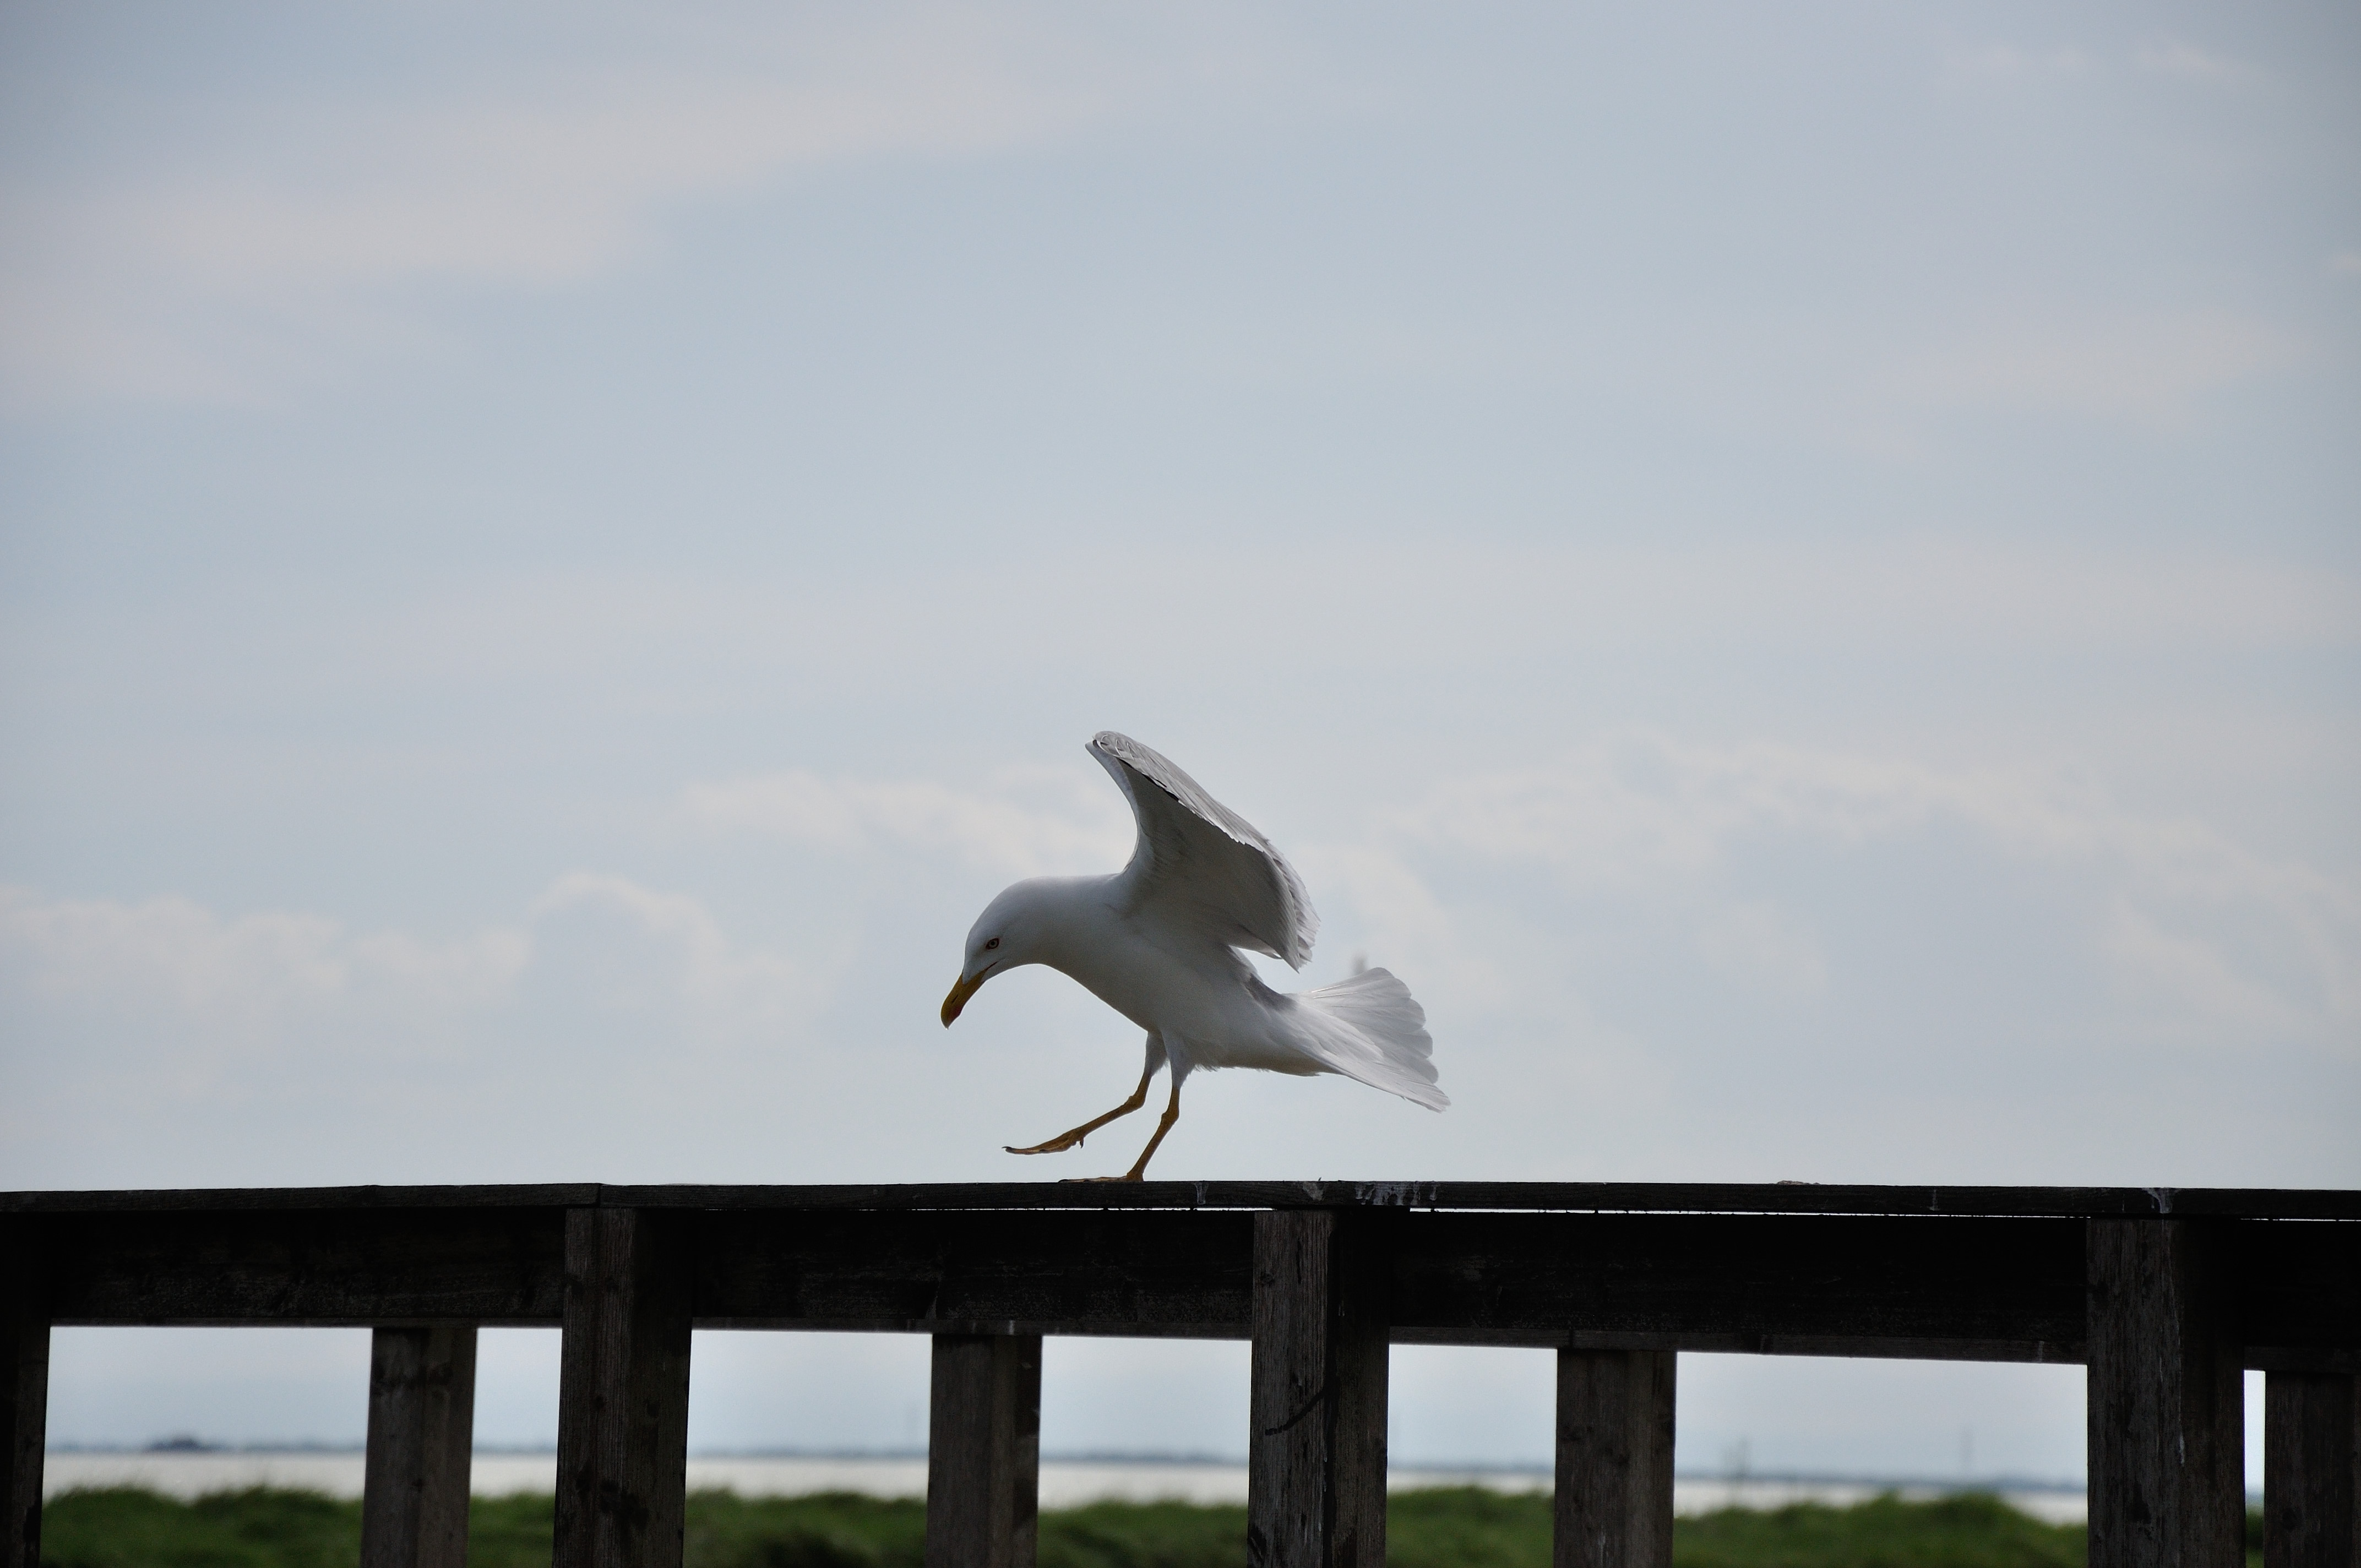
[1157,942]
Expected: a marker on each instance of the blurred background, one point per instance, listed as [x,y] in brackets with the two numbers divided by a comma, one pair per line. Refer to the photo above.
[1792,570]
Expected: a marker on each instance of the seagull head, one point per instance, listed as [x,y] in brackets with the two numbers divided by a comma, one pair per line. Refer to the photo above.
[1014,930]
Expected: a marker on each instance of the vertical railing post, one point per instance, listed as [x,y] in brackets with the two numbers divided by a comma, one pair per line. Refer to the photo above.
[983,1451]
[1316,1452]
[2165,1390]
[622,1410]
[1614,1506]
[2311,1470]
[24,1391]
[422,1427]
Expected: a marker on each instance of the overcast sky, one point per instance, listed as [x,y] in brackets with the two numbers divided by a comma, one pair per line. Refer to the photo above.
[1792,570]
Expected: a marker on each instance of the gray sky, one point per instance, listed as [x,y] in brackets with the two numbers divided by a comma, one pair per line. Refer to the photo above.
[1793,571]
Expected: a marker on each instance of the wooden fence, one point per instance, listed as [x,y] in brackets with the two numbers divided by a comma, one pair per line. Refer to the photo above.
[2164,1296]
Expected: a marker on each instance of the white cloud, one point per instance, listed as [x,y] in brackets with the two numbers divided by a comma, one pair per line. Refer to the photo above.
[2151,370]
[2192,978]
[1764,946]
[164,1002]
[1644,923]
[1088,830]
[176,955]
[693,958]
[269,259]
[1399,922]
[1502,607]
[210,991]
[2009,64]
[2190,918]
[1661,830]
[2180,59]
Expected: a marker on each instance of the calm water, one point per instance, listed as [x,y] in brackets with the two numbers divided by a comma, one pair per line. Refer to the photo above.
[1064,1483]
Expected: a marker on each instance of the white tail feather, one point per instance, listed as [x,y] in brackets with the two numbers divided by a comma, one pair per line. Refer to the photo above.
[1371,1029]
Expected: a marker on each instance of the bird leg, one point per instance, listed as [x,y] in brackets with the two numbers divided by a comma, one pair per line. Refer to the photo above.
[1163,1125]
[1139,1172]
[1065,1141]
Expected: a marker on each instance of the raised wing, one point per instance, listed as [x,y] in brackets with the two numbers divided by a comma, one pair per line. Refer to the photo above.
[1201,858]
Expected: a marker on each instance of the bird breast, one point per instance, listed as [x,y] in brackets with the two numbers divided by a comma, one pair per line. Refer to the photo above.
[1164,986]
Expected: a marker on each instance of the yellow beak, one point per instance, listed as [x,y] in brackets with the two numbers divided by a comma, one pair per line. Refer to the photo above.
[958,998]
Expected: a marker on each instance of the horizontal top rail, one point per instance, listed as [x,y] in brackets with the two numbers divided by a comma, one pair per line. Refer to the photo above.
[1566,1197]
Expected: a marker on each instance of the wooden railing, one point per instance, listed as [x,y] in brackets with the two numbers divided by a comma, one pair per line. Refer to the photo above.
[2165,1296]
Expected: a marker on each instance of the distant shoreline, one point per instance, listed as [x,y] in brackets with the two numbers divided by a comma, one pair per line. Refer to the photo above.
[1115,1457]
[1066,1480]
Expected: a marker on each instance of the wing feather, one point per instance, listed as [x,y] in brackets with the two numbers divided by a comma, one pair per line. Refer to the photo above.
[1196,854]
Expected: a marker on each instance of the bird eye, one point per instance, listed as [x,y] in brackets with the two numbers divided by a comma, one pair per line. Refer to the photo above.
[994,943]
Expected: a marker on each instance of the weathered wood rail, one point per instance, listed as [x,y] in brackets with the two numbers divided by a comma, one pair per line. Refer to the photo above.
[2164,1296]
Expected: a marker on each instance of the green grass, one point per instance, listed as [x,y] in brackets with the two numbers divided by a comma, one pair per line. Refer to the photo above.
[1964,1531]
[257,1529]
[124,1527]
